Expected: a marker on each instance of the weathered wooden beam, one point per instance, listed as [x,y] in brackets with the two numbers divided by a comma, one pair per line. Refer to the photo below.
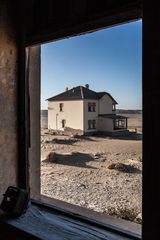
[70,18]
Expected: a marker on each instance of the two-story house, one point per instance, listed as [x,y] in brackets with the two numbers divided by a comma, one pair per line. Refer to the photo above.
[86,110]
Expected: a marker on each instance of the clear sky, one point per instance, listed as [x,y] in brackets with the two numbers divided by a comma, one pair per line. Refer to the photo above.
[108,60]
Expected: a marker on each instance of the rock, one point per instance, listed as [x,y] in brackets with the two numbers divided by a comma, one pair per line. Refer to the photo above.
[97,154]
[138,218]
[82,185]
[74,136]
[52,157]
[119,166]
[112,166]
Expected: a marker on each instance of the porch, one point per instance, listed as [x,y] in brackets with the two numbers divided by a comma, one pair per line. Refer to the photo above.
[112,122]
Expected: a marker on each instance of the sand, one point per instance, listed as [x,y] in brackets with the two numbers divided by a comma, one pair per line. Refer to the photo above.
[96,172]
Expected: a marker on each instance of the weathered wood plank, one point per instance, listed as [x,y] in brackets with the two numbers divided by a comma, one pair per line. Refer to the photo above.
[96,218]
[47,225]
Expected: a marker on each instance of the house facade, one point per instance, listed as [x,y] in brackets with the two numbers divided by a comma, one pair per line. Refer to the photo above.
[86,110]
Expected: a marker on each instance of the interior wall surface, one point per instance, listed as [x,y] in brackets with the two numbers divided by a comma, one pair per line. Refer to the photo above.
[8,98]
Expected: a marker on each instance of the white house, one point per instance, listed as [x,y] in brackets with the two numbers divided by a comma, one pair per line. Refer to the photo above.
[86,110]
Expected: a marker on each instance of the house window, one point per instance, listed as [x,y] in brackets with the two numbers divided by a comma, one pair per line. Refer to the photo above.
[63,123]
[119,123]
[61,105]
[122,123]
[113,107]
[91,124]
[91,107]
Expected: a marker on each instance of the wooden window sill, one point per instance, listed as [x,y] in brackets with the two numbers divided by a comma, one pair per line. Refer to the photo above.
[46,223]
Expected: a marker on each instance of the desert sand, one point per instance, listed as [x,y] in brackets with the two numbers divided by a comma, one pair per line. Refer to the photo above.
[97,172]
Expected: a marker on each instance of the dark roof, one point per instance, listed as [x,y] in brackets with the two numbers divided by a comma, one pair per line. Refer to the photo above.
[101,94]
[113,116]
[78,93]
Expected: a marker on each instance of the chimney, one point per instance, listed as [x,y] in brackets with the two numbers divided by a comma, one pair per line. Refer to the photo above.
[66,88]
[87,86]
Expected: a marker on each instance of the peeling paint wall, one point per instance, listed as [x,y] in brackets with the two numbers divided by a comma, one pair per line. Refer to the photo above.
[8,100]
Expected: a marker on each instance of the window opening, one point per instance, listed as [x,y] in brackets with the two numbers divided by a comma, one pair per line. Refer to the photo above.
[61,107]
[63,123]
[90,151]
[120,123]
[113,107]
[91,107]
[91,124]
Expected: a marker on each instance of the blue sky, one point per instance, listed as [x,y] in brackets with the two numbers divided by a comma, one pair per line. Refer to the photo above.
[108,60]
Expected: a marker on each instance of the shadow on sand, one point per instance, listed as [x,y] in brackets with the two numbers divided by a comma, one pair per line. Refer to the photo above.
[124,168]
[75,159]
[64,141]
[70,141]
[84,137]
[128,136]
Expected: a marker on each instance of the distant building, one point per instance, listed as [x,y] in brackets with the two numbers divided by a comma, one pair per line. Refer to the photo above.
[86,110]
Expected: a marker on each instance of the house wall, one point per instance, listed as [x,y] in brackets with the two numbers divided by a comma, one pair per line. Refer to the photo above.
[105,124]
[105,105]
[90,115]
[72,113]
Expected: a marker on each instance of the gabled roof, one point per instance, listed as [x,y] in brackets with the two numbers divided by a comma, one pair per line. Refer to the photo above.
[101,94]
[78,93]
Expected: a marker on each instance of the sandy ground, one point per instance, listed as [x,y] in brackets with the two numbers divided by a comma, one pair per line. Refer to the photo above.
[97,172]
